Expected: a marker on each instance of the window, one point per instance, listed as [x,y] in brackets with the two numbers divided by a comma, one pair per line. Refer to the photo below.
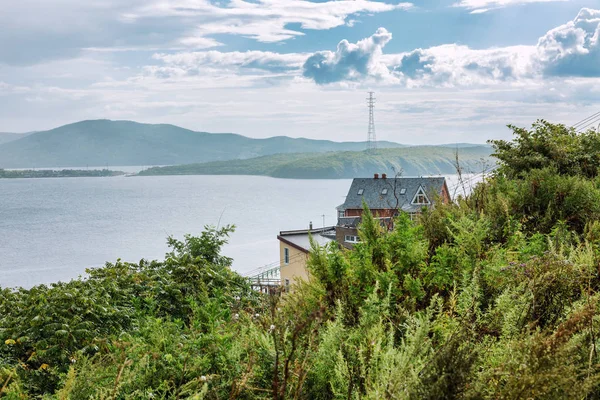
[342,214]
[351,239]
[286,255]
[413,216]
[384,191]
[403,191]
[287,285]
[420,197]
[361,191]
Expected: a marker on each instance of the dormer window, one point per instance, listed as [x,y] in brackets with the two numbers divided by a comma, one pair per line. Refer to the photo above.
[361,191]
[420,197]
[384,191]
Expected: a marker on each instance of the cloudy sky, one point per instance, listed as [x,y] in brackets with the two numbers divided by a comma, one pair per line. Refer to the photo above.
[443,70]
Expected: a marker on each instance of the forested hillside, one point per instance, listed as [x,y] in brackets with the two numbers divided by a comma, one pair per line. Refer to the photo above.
[105,142]
[417,160]
[494,297]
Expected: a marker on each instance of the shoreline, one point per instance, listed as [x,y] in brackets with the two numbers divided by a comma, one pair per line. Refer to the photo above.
[63,173]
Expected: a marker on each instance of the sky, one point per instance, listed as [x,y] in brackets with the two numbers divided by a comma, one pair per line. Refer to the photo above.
[443,71]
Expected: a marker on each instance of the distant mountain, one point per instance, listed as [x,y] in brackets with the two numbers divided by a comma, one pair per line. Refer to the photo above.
[104,142]
[9,137]
[417,160]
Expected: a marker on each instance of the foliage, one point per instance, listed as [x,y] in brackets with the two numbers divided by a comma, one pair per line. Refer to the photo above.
[553,146]
[494,296]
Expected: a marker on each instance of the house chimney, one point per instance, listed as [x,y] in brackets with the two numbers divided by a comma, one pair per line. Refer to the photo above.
[383,176]
[310,226]
[376,176]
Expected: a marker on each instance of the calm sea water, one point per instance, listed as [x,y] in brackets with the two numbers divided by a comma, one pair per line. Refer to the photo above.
[53,229]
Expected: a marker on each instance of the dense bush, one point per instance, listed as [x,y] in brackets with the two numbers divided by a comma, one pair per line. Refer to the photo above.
[493,297]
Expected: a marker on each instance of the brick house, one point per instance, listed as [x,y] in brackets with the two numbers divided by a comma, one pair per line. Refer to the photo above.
[385,197]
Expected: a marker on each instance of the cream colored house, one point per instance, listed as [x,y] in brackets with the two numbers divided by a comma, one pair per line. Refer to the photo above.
[294,247]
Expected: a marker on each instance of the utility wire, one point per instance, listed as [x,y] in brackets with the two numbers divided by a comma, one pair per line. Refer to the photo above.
[590,123]
[583,121]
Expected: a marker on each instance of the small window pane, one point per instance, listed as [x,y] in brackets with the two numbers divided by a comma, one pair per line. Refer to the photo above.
[403,191]
[351,239]
[286,255]
[384,191]
[360,191]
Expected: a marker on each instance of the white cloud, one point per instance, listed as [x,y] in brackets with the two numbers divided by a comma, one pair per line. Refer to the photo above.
[262,93]
[7,89]
[199,42]
[481,6]
[62,29]
[454,65]
[572,49]
[247,59]
[263,20]
[350,61]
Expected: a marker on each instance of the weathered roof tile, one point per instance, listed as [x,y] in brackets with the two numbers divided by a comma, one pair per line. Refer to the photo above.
[376,197]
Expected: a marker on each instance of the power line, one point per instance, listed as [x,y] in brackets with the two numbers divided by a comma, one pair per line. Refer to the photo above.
[589,124]
[583,121]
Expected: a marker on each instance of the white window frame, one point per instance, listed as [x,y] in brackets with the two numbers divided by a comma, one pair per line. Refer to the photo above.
[351,239]
[361,191]
[402,191]
[421,192]
[341,214]
[286,256]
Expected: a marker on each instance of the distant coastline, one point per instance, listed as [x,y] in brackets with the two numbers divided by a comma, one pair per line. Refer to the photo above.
[63,173]
[408,161]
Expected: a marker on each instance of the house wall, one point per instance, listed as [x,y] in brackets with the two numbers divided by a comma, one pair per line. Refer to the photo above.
[353,212]
[341,232]
[296,269]
[379,213]
[445,194]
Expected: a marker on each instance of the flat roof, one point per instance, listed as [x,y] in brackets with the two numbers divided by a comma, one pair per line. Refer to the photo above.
[300,238]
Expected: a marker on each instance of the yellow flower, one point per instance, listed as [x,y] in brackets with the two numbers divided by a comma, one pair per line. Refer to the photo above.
[9,341]
[44,366]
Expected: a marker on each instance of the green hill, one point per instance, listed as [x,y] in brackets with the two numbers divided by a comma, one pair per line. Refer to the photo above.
[105,142]
[418,160]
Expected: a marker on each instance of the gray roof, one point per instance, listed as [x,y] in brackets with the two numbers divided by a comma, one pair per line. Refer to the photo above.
[321,236]
[372,192]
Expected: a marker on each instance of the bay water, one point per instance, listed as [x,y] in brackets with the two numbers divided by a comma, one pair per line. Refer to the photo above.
[52,229]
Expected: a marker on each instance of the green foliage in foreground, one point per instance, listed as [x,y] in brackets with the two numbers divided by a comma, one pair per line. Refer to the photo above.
[494,297]
[417,160]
